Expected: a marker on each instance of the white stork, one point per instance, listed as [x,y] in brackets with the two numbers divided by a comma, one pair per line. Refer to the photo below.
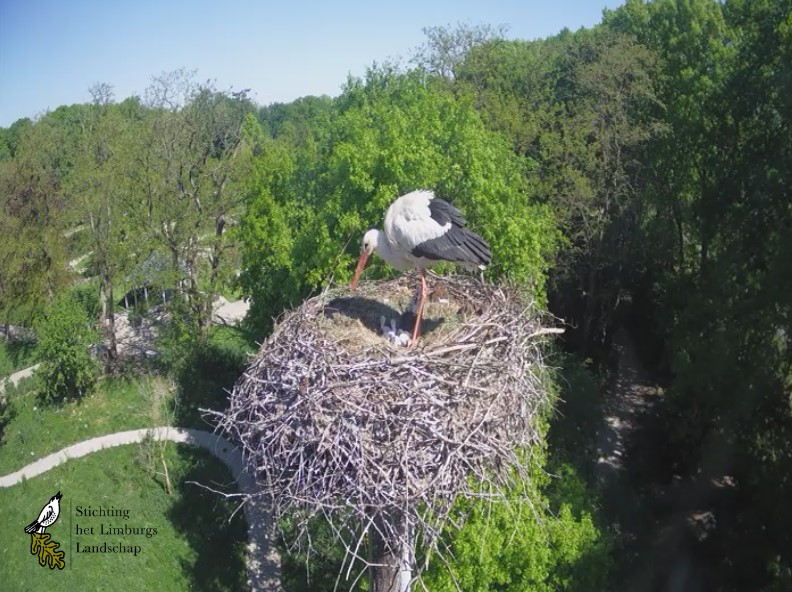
[420,230]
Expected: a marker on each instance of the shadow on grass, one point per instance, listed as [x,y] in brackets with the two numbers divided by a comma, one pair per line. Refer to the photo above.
[204,518]
[16,354]
[12,392]
[205,373]
[7,414]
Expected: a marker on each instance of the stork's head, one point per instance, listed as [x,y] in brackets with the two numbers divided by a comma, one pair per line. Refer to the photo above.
[367,247]
[369,243]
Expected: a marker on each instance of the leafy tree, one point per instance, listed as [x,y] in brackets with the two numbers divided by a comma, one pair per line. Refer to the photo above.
[5,150]
[596,171]
[269,231]
[446,49]
[689,36]
[102,193]
[12,134]
[299,122]
[65,337]
[189,166]
[32,207]
[732,352]
[721,283]
[391,133]
[583,108]
[525,545]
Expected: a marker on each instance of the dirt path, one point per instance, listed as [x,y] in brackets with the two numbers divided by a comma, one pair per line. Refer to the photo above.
[139,340]
[629,402]
[229,313]
[661,527]
[262,559]
[632,396]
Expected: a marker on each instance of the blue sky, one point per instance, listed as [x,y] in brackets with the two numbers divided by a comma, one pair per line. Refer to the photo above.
[53,51]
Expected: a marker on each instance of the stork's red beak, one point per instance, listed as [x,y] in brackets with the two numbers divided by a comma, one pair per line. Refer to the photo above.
[359,270]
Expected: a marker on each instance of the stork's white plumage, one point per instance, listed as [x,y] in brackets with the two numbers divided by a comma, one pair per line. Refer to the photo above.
[47,517]
[420,230]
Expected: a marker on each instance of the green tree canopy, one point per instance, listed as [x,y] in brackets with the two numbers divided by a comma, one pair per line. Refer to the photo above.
[390,133]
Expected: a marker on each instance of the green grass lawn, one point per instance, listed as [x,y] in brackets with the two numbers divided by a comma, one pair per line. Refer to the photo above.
[36,430]
[197,546]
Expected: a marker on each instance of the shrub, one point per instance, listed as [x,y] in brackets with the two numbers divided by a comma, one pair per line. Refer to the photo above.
[87,296]
[543,545]
[65,336]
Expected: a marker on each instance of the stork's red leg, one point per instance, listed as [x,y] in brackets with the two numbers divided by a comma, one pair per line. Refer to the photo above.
[419,311]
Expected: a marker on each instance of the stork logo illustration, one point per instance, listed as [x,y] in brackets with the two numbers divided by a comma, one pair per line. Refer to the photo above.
[40,543]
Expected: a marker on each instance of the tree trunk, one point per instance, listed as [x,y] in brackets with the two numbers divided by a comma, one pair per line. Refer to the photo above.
[589,310]
[201,306]
[391,554]
[108,309]
[678,220]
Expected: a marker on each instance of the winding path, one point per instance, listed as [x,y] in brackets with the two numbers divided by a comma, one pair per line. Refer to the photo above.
[16,377]
[263,562]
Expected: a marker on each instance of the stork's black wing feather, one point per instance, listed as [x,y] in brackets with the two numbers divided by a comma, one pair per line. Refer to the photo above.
[458,245]
[443,212]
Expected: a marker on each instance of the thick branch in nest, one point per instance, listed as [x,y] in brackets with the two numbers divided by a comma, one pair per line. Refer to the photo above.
[335,421]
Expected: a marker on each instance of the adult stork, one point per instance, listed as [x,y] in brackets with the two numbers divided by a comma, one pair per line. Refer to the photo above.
[420,230]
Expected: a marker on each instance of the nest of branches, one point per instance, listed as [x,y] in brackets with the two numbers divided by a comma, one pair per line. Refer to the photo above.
[336,420]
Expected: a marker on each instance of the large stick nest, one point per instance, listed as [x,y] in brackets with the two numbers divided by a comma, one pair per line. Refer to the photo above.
[333,419]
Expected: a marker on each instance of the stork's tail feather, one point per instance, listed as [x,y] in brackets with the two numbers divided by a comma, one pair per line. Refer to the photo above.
[477,247]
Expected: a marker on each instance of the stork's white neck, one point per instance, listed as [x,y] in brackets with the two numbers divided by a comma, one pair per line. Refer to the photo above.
[383,248]
[388,254]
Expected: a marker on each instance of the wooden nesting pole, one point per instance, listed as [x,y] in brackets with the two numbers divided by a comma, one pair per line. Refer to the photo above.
[392,552]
